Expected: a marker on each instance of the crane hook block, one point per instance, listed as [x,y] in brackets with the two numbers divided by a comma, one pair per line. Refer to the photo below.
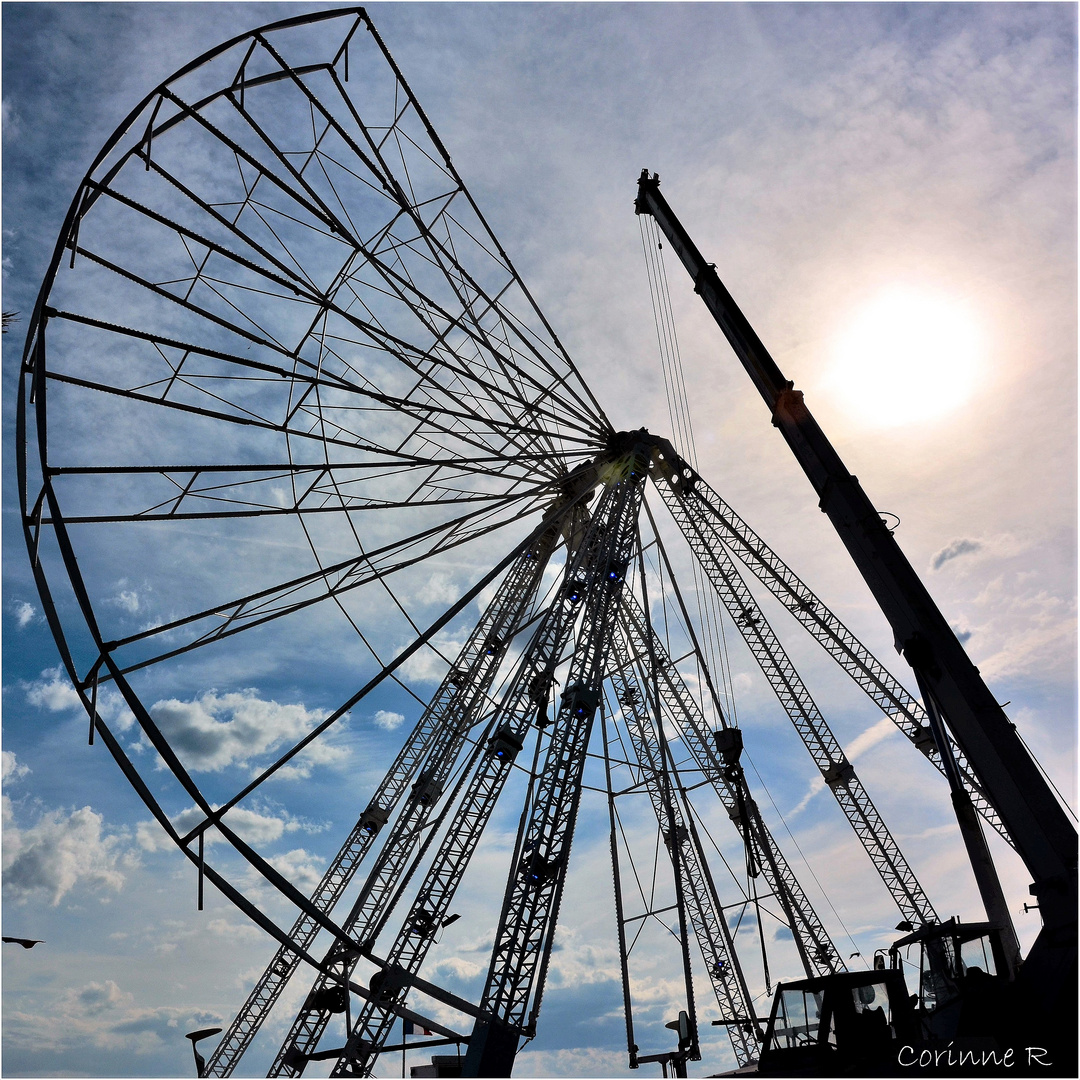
[373,819]
[387,983]
[537,870]
[426,789]
[838,773]
[331,999]
[581,700]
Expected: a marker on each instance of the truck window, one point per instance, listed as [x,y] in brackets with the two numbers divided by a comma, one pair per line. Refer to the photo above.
[977,954]
[798,1017]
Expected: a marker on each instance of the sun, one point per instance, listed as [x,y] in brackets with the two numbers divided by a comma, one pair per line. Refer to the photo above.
[906,357]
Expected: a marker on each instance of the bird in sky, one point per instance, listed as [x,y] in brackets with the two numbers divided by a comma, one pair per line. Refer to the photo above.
[25,942]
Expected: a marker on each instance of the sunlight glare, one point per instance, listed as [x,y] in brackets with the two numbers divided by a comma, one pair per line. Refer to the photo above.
[907,356]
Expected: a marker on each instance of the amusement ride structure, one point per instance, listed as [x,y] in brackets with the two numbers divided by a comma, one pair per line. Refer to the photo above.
[278,345]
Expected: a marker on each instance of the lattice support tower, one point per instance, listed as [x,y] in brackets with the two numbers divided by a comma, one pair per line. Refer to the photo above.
[434,741]
[515,983]
[704,912]
[827,754]
[816,949]
[691,499]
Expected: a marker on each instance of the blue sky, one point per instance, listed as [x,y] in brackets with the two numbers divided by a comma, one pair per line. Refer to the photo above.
[827,157]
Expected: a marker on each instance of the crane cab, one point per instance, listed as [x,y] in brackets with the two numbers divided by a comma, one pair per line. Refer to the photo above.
[855,1023]
[964,980]
[850,1023]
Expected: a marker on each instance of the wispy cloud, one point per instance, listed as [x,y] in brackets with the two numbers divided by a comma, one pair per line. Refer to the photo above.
[24,613]
[954,550]
[102,1015]
[258,827]
[128,599]
[1033,632]
[866,740]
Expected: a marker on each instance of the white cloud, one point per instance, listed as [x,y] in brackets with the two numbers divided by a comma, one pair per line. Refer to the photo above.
[58,852]
[10,121]
[429,664]
[247,824]
[320,752]
[1028,631]
[11,769]
[388,721]
[885,728]
[231,930]
[128,599]
[439,589]
[53,691]
[302,868]
[581,958]
[579,1061]
[457,967]
[215,731]
[24,613]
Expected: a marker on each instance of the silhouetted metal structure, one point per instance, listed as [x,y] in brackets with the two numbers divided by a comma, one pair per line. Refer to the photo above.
[958,703]
[280,356]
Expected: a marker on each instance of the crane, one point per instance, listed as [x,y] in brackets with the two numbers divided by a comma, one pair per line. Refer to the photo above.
[956,700]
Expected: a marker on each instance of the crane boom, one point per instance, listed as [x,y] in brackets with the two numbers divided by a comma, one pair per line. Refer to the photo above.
[1044,836]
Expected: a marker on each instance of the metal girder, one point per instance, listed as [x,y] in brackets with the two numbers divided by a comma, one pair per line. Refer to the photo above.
[525,934]
[485,649]
[481,785]
[637,693]
[816,949]
[837,772]
[694,498]
[440,730]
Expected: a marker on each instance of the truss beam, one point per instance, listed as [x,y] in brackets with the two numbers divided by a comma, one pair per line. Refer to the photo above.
[525,934]
[724,772]
[703,910]
[475,798]
[440,730]
[827,754]
[693,499]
